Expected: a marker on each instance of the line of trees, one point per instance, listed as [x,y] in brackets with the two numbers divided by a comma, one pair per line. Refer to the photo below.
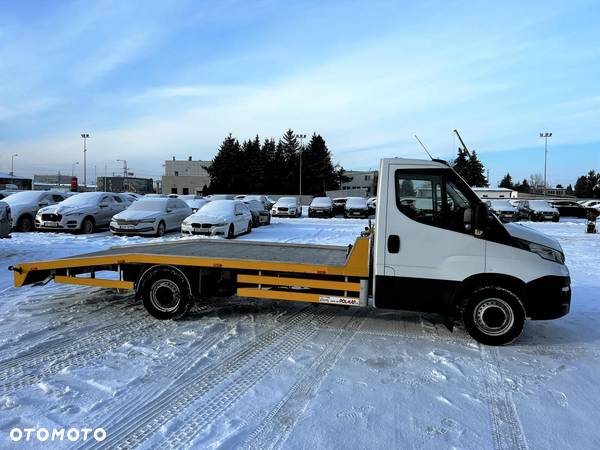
[274,167]
[587,186]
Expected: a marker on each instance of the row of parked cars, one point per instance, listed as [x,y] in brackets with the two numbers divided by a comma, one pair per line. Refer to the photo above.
[542,210]
[128,214]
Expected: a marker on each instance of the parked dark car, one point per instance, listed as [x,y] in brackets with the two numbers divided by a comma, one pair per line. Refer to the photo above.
[504,210]
[339,205]
[536,210]
[569,208]
[260,215]
[356,207]
[321,207]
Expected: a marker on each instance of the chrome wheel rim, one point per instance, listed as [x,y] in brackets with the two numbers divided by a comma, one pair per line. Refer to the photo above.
[493,316]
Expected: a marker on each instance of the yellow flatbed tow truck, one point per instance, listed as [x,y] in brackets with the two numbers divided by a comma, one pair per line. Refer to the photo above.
[435,247]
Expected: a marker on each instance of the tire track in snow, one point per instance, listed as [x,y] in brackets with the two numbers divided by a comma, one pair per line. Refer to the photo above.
[223,400]
[507,431]
[281,420]
[176,369]
[58,357]
[149,417]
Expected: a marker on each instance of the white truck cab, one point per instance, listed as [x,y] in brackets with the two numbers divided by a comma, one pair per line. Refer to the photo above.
[438,249]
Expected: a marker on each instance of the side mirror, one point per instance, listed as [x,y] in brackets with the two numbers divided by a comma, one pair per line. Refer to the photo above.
[482,218]
[103,205]
[169,210]
[42,204]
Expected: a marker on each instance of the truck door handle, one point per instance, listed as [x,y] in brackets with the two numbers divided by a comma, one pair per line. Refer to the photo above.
[393,243]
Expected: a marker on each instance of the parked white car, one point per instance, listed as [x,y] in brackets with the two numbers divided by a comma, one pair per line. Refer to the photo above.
[194,201]
[286,207]
[5,220]
[227,218]
[24,206]
[85,212]
[356,207]
[151,216]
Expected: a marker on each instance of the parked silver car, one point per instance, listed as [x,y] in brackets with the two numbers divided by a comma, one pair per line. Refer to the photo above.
[5,220]
[151,216]
[25,205]
[287,207]
[85,212]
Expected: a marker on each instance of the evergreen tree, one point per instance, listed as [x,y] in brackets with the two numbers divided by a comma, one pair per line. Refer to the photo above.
[460,165]
[525,188]
[318,173]
[569,190]
[582,188]
[225,170]
[289,148]
[507,182]
[475,171]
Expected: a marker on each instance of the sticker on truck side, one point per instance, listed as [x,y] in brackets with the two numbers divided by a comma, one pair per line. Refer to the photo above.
[338,300]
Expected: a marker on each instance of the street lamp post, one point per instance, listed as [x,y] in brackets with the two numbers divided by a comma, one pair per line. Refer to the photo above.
[76,163]
[301,137]
[85,137]
[124,161]
[12,165]
[545,135]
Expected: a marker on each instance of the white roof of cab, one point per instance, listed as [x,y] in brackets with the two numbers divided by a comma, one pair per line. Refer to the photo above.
[427,163]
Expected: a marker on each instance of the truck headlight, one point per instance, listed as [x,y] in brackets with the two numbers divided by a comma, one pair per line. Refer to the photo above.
[547,253]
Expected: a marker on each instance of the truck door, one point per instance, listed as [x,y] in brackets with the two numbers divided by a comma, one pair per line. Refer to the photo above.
[430,246]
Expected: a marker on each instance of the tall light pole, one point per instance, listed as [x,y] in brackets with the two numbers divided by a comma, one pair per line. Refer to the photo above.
[85,137]
[301,137]
[12,165]
[76,163]
[124,172]
[545,135]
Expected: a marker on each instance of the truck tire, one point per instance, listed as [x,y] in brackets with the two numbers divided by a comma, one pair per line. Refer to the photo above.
[165,293]
[494,315]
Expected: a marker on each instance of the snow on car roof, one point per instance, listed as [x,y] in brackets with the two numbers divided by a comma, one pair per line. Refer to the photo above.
[321,201]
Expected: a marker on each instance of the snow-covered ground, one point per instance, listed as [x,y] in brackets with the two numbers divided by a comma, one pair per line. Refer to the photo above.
[261,374]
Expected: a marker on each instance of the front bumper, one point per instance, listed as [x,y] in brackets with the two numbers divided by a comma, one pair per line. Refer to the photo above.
[320,212]
[67,223]
[142,228]
[288,213]
[203,231]
[548,297]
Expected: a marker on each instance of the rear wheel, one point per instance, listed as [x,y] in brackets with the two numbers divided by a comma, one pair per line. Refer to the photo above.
[25,224]
[494,316]
[87,226]
[165,293]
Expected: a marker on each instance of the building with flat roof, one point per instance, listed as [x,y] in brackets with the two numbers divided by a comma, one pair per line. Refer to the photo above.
[8,181]
[361,179]
[122,184]
[185,176]
[497,192]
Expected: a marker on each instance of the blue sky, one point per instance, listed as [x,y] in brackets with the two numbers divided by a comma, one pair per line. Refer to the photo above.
[151,80]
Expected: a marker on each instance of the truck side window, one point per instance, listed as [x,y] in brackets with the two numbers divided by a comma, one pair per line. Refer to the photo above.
[419,197]
[432,200]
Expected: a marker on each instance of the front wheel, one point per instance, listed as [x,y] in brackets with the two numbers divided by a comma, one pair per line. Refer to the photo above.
[494,316]
[161,229]
[230,232]
[87,226]
[25,224]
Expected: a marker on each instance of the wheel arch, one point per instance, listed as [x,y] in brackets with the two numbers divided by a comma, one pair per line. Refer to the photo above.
[147,271]
[468,285]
